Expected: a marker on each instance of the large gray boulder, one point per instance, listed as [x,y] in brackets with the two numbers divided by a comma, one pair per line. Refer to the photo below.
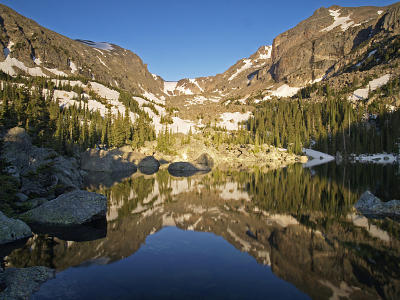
[20,284]
[370,205]
[73,208]
[12,230]
[149,165]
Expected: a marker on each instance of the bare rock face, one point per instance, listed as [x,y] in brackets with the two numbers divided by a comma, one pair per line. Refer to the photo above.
[370,205]
[40,171]
[74,208]
[12,230]
[20,284]
[307,51]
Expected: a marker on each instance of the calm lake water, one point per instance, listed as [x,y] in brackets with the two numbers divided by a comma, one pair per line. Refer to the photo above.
[284,234]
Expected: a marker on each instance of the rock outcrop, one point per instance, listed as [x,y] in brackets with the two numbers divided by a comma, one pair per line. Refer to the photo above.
[12,230]
[20,284]
[183,169]
[369,205]
[74,208]
[40,171]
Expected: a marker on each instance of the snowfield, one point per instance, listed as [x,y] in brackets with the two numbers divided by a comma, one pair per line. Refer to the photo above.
[73,67]
[379,158]
[268,50]
[343,22]
[57,72]
[362,94]
[318,158]
[184,90]
[200,100]
[247,64]
[7,66]
[196,84]
[231,121]
[170,86]
[283,91]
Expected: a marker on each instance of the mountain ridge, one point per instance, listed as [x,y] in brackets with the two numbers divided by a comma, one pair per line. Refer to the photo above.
[315,50]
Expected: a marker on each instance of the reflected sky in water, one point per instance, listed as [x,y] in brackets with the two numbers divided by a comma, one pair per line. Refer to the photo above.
[174,264]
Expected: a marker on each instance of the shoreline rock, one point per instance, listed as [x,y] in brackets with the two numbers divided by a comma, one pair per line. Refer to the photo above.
[12,230]
[372,206]
[74,208]
[21,283]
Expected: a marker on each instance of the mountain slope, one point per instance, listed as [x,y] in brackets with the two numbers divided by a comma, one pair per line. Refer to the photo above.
[39,51]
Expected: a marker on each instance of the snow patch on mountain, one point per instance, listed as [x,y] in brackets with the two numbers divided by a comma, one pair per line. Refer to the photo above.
[362,94]
[247,64]
[7,66]
[231,121]
[268,52]
[343,22]
[57,72]
[73,67]
[104,91]
[184,90]
[37,61]
[379,12]
[102,62]
[283,91]
[153,97]
[200,100]
[196,84]
[170,86]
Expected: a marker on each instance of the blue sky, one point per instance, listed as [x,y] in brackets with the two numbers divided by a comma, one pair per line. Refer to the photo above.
[177,38]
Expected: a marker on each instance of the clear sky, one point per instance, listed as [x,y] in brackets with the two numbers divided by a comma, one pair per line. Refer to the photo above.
[178,38]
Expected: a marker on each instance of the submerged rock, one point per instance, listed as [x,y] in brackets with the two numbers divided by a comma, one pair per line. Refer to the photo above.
[149,165]
[74,208]
[12,230]
[370,205]
[20,284]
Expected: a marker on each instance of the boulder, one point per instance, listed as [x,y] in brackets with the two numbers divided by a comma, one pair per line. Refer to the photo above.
[371,206]
[73,208]
[12,230]
[149,165]
[20,284]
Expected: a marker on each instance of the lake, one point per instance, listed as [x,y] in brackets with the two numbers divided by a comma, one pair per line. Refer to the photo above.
[289,233]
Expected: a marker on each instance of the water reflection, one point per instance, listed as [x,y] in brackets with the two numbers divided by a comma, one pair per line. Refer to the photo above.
[300,222]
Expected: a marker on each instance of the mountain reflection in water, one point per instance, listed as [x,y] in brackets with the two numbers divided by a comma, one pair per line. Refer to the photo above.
[297,223]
